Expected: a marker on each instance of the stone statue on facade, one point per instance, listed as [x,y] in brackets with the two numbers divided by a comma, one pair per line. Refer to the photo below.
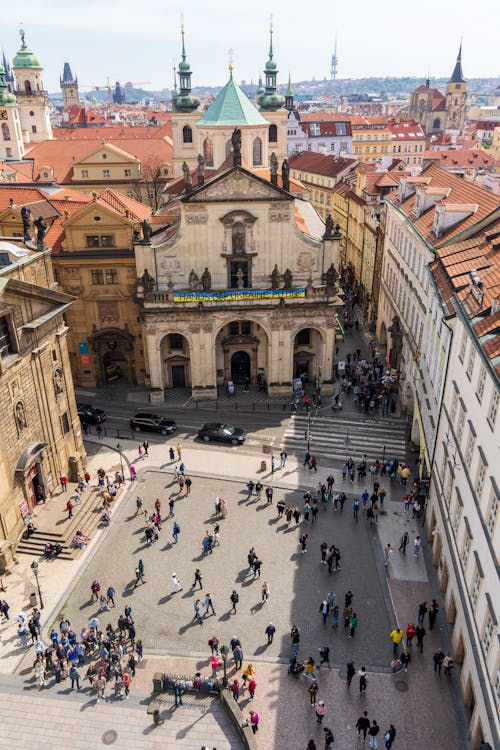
[206,280]
[285,175]
[397,341]
[201,170]
[275,277]
[20,416]
[41,228]
[287,279]
[188,183]
[273,168]
[331,277]
[328,227]
[58,382]
[193,281]
[26,217]
[236,144]
[238,241]
[148,281]
[146,232]
[240,282]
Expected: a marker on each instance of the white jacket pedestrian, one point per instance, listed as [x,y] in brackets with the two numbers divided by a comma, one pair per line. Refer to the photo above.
[175,584]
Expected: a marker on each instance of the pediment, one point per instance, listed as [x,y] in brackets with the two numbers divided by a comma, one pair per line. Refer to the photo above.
[105,153]
[236,185]
[86,217]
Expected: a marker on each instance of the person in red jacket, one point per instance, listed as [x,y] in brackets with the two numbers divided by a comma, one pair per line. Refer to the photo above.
[126,683]
[251,688]
[411,631]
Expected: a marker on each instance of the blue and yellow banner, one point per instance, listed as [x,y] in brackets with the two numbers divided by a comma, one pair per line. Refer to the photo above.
[239,294]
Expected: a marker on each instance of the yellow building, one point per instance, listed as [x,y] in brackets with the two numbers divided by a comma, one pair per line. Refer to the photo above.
[371,138]
[41,432]
[320,174]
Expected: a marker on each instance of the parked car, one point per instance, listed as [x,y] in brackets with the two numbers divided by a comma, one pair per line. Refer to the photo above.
[226,433]
[152,423]
[90,414]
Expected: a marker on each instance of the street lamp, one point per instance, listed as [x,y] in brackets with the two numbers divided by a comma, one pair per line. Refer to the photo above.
[224,650]
[34,568]
[347,443]
[119,448]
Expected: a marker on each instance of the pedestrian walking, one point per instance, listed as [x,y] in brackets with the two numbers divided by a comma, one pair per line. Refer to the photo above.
[125,683]
[448,664]
[175,584]
[324,656]
[214,664]
[252,685]
[208,602]
[178,693]
[258,489]
[389,737]
[307,459]
[100,686]
[266,590]
[69,508]
[269,495]
[355,509]
[75,677]
[234,600]
[238,657]
[363,725]
[324,608]
[198,577]
[138,505]
[303,543]
[433,610]
[422,610]
[270,631]
[420,637]
[372,734]
[416,546]
[283,457]
[140,453]
[95,588]
[411,631]
[403,543]
[176,530]
[295,638]
[213,642]
[329,738]
[351,671]
[145,447]
[396,638]
[179,451]
[405,659]
[110,595]
[313,692]
[63,479]
[197,614]
[313,464]
[254,721]
[362,680]
[171,455]
[234,687]
[438,659]
[320,711]
[353,624]
[387,554]
[188,483]
[5,609]
[139,574]
[256,565]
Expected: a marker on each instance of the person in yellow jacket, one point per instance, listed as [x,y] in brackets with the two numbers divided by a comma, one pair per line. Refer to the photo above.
[396,638]
[247,673]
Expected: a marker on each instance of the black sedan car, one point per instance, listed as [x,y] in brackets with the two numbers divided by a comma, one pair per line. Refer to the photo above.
[225,433]
[90,414]
[152,423]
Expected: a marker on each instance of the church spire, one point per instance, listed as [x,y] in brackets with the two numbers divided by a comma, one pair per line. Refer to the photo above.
[289,105]
[184,101]
[457,76]
[271,100]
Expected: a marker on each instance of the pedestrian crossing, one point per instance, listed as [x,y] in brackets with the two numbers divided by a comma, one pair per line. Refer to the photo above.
[337,438]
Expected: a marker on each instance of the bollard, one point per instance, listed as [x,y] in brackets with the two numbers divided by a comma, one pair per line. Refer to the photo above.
[263,466]
[156,716]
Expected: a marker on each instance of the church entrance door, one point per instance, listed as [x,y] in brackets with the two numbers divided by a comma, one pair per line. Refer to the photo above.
[240,367]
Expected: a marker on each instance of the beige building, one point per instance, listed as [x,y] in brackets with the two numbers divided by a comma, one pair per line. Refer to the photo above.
[41,433]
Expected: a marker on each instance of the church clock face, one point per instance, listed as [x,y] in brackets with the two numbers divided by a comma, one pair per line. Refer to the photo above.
[3,114]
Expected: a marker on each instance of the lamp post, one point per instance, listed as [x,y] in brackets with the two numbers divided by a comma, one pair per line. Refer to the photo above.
[224,650]
[34,568]
[119,449]
[347,443]
[309,430]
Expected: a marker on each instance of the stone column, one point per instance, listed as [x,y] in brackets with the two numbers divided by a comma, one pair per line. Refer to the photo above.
[154,365]
[203,368]
[328,356]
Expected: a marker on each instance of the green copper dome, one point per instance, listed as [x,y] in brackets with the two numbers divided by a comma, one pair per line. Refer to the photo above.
[6,97]
[25,59]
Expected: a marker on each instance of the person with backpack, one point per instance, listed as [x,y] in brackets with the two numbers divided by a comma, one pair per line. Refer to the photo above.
[372,734]
[139,573]
[110,595]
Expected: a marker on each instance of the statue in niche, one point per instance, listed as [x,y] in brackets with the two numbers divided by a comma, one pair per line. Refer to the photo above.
[275,277]
[206,280]
[273,168]
[148,281]
[240,282]
[238,240]
[193,281]
[188,184]
[328,226]
[146,231]
[288,279]
[236,144]
[20,415]
[26,217]
[201,170]
[58,382]
[331,276]
[285,175]
[41,228]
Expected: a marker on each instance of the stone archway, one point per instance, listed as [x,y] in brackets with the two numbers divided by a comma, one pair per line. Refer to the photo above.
[114,356]
[176,361]
[307,345]
[241,350]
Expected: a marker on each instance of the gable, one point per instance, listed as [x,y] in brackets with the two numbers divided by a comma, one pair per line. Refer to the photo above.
[86,217]
[236,185]
[106,154]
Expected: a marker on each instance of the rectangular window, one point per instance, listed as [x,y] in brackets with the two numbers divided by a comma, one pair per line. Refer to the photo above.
[475,588]
[97,276]
[33,128]
[470,362]
[492,514]
[466,550]
[85,173]
[463,346]
[488,632]
[493,410]
[107,240]
[65,423]
[304,337]
[92,240]
[481,474]
[105,172]
[497,686]
[128,172]
[111,276]
[6,347]
[460,427]
[480,383]
[469,449]
[176,341]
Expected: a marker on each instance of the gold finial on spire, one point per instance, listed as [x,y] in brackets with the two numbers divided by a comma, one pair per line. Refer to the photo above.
[182,24]
[271,23]
[231,58]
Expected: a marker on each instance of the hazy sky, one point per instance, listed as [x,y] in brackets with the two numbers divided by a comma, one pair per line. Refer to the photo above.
[138,41]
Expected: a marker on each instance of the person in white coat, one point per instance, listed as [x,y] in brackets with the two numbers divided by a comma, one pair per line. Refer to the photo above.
[175,584]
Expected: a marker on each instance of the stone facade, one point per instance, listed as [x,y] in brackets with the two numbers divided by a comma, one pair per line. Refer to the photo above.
[41,432]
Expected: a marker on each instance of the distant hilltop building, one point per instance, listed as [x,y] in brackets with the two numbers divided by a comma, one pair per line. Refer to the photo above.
[437,112]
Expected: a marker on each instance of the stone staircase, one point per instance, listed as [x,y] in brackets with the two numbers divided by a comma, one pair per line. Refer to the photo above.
[86,517]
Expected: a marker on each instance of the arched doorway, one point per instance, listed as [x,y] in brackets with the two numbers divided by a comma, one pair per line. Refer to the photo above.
[175,354]
[240,367]
[115,366]
[307,356]
[114,356]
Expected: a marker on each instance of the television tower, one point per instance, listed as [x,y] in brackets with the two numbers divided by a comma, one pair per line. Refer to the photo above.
[333,69]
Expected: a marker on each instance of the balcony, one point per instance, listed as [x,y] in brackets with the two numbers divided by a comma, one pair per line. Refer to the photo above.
[238,298]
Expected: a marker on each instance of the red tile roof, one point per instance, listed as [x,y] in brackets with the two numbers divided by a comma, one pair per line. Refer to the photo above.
[328,129]
[328,166]
[465,158]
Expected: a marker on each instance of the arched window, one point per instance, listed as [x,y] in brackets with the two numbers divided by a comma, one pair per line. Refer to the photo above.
[187,134]
[436,125]
[208,152]
[273,134]
[27,87]
[229,147]
[257,152]
[5,132]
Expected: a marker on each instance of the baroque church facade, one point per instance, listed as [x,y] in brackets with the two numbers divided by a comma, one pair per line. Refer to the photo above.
[242,286]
